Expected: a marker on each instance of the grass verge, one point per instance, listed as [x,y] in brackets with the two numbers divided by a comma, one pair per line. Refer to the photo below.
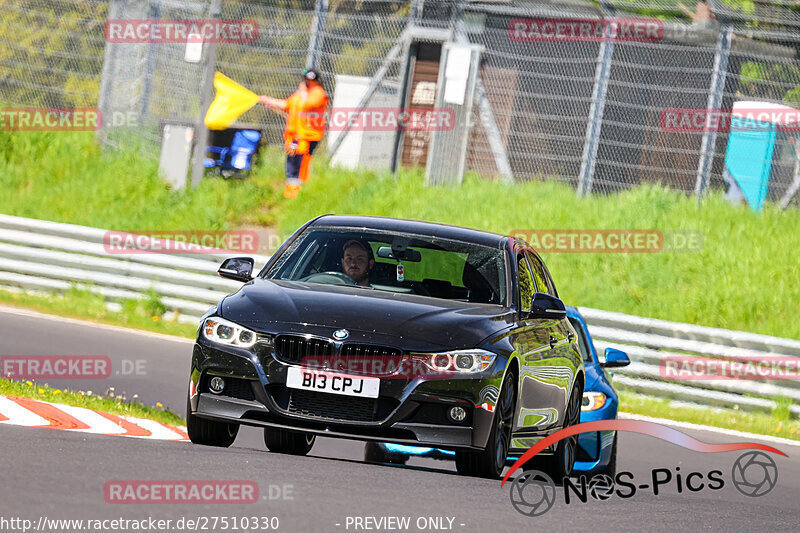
[777,424]
[106,403]
[66,177]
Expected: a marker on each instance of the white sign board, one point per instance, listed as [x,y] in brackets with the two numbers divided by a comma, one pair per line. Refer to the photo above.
[456,74]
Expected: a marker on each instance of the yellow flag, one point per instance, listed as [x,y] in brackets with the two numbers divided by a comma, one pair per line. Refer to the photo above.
[231,101]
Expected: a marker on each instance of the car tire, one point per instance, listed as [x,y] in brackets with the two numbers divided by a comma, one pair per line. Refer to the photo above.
[559,465]
[376,454]
[209,432]
[490,462]
[611,468]
[289,442]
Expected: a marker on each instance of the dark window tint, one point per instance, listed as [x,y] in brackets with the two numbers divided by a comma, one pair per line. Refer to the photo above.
[582,342]
[543,281]
[526,286]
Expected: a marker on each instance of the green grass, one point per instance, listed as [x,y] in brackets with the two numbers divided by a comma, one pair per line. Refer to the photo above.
[107,402]
[777,424]
[66,177]
[83,304]
[745,277]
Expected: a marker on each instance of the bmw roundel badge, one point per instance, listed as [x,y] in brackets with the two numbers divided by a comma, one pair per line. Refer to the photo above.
[341,334]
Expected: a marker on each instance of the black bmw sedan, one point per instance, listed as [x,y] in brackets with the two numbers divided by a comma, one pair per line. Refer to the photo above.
[391,330]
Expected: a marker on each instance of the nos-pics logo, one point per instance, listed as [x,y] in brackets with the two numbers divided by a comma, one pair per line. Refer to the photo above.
[533,492]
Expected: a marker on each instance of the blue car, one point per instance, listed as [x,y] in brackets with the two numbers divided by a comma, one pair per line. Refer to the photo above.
[597,451]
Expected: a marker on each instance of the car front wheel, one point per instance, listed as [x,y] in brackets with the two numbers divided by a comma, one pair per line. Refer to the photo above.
[209,432]
[490,462]
[291,442]
[559,465]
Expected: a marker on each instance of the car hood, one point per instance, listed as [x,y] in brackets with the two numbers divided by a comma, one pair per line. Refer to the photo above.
[411,321]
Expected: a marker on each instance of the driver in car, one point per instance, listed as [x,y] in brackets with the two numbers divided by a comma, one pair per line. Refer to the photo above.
[357,261]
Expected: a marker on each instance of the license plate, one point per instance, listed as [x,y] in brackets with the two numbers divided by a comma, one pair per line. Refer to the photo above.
[332,383]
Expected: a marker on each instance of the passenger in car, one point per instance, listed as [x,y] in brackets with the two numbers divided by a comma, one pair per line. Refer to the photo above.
[357,261]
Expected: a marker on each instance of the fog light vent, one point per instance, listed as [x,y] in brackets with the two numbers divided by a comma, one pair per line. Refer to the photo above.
[217,384]
[457,414]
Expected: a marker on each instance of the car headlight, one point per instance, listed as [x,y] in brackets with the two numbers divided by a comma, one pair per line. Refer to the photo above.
[592,401]
[226,332]
[458,361]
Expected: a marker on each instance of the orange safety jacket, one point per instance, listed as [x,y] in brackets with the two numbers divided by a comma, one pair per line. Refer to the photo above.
[306,114]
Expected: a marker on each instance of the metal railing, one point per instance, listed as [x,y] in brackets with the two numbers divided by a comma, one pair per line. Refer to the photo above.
[52,257]
[48,256]
[648,342]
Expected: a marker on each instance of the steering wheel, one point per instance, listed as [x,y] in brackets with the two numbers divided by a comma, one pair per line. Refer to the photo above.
[331,277]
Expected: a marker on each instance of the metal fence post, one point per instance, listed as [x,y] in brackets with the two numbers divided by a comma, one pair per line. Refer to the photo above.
[150,61]
[596,110]
[709,141]
[486,113]
[416,13]
[200,130]
[317,29]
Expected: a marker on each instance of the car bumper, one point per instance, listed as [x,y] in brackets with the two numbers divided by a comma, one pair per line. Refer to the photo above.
[595,447]
[408,411]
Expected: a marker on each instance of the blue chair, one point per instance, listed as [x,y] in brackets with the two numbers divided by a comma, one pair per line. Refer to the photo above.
[237,157]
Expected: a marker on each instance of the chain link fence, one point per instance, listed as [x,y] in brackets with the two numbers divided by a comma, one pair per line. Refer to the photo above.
[586,112]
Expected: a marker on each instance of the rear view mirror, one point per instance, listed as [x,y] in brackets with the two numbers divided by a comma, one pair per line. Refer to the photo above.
[615,358]
[407,254]
[544,305]
[237,268]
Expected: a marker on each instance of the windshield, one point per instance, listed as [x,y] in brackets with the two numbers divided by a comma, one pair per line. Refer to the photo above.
[395,262]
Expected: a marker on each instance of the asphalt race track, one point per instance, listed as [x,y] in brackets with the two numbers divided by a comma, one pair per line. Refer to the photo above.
[61,474]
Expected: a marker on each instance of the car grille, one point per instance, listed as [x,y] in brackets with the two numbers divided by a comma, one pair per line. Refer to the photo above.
[298,348]
[293,348]
[369,349]
[318,405]
[370,359]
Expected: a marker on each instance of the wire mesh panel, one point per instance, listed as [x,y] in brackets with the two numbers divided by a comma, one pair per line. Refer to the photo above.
[540,93]
[147,82]
[452,114]
[585,112]
[634,148]
[51,52]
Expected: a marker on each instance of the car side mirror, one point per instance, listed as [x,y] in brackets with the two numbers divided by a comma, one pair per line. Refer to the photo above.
[615,358]
[237,268]
[544,305]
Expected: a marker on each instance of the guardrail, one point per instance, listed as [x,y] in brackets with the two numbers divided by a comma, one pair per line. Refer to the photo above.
[648,341]
[41,255]
[48,256]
